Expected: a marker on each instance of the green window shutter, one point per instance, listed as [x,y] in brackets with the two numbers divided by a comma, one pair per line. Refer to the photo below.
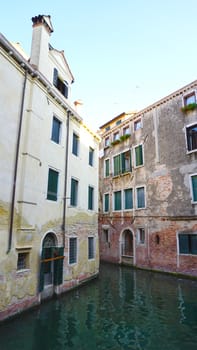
[184,244]
[56,130]
[52,185]
[123,163]
[74,192]
[90,197]
[194,187]
[193,241]
[75,144]
[117,200]
[106,167]
[106,202]
[140,198]
[91,156]
[128,199]
[138,155]
[90,247]
[117,163]
[41,280]
[58,265]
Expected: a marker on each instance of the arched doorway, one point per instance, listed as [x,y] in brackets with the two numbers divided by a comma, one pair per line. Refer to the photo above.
[51,267]
[127,247]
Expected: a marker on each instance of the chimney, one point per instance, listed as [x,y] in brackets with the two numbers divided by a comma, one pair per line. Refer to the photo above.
[78,106]
[42,29]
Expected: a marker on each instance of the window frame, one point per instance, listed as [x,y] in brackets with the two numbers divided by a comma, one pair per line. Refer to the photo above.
[187,97]
[114,200]
[193,195]
[26,261]
[116,135]
[91,156]
[107,141]
[141,230]
[74,200]
[135,124]
[75,252]
[126,130]
[107,174]
[91,247]
[124,198]
[75,144]
[120,164]
[142,155]
[91,197]
[52,195]
[187,245]
[137,198]
[56,138]
[105,235]
[189,147]
[106,195]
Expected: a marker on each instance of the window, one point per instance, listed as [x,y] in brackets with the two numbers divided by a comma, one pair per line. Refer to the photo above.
[60,84]
[90,198]
[56,127]
[192,137]
[91,156]
[119,122]
[141,235]
[116,136]
[106,202]
[107,128]
[139,156]
[188,99]
[75,148]
[90,247]
[137,124]
[128,198]
[74,192]
[52,185]
[194,187]
[117,200]
[106,235]
[140,191]
[126,130]
[107,141]
[122,163]
[106,170]
[23,261]
[188,243]
[72,250]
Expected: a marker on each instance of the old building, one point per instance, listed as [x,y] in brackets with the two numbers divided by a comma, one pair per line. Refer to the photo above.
[148,185]
[48,177]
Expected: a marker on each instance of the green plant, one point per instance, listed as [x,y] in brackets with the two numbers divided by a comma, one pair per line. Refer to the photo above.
[124,137]
[115,142]
[189,107]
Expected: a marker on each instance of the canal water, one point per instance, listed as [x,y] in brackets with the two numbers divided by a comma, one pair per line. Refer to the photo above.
[122,309]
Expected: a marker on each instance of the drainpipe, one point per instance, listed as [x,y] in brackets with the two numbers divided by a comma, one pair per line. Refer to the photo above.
[16,165]
[65,178]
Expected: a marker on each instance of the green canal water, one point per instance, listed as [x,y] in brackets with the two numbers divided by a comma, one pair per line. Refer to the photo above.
[122,309]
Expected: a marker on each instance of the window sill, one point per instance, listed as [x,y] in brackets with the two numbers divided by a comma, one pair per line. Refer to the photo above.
[187,254]
[22,271]
[192,151]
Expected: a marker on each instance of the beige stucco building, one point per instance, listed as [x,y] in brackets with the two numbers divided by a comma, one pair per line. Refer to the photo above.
[48,177]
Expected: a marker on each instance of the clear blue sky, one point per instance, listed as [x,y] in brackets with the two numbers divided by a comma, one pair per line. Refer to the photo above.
[124,54]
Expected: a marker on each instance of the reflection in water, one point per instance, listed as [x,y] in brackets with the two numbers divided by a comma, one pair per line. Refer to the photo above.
[123,309]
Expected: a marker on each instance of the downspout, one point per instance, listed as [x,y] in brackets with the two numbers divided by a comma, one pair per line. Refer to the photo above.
[16,165]
[65,178]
